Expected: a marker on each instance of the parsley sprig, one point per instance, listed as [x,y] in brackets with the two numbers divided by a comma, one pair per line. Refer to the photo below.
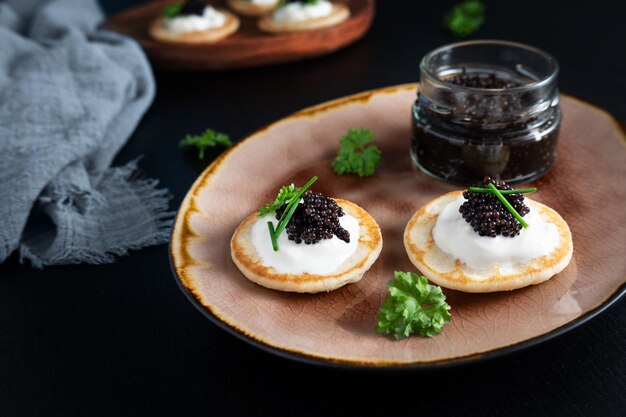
[412,306]
[285,194]
[173,10]
[357,155]
[291,196]
[209,138]
[465,18]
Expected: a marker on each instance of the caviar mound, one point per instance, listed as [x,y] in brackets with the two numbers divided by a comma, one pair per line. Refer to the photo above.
[488,216]
[246,258]
[193,7]
[442,269]
[316,218]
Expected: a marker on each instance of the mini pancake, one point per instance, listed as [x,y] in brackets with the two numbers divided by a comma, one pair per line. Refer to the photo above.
[246,257]
[230,26]
[247,8]
[340,13]
[442,269]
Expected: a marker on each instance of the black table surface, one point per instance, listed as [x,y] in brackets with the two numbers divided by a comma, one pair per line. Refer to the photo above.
[122,339]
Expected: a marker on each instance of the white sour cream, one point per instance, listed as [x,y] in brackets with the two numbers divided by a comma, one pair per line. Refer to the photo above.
[298,12]
[264,2]
[297,258]
[454,236]
[210,19]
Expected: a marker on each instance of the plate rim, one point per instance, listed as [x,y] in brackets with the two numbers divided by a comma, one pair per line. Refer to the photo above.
[380,365]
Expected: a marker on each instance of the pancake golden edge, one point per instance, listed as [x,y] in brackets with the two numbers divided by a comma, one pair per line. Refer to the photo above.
[444,270]
[247,8]
[246,257]
[230,26]
[340,13]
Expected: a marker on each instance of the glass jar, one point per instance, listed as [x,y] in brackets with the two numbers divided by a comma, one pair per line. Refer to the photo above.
[486,108]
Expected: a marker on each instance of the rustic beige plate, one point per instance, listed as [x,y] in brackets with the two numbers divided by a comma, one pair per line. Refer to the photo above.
[586,186]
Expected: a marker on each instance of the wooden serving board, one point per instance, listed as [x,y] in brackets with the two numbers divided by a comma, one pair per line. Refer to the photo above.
[248,47]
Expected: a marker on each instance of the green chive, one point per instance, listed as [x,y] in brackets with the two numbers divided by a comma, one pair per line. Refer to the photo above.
[173,10]
[508,205]
[288,213]
[283,224]
[503,192]
[270,226]
[296,199]
[290,209]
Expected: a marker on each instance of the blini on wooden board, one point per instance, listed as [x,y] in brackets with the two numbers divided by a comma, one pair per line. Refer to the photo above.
[230,26]
[247,8]
[340,13]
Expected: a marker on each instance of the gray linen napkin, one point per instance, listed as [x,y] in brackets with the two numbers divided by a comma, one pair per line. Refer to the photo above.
[70,96]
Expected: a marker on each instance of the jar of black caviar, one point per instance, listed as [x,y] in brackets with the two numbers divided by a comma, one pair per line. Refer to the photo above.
[486,108]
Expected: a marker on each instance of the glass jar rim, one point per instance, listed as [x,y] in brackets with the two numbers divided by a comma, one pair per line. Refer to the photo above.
[551,77]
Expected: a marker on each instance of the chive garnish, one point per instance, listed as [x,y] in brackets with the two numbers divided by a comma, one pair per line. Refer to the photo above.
[270,226]
[503,192]
[288,213]
[173,10]
[508,205]
[293,202]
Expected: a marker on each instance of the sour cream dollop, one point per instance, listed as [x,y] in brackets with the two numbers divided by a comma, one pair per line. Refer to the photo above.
[210,19]
[298,12]
[264,2]
[454,236]
[321,258]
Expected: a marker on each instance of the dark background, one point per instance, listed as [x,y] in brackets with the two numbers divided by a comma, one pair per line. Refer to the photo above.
[122,339]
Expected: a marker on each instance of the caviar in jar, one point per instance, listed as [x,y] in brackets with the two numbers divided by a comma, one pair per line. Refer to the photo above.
[486,108]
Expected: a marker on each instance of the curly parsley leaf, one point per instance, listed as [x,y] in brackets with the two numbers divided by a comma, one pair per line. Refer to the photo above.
[356,154]
[465,18]
[412,306]
[173,10]
[209,138]
[285,194]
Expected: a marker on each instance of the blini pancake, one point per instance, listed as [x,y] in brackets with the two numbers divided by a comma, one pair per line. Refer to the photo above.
[370,244]
[442,269]
[340,13]
[247,8]
[158,32]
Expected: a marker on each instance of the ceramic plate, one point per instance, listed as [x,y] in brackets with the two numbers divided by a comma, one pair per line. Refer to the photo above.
[248,47]
[586,186]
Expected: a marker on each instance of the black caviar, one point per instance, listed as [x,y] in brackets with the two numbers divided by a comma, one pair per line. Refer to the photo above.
[488,216]
[192,7]
[473,80]
[315,218]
